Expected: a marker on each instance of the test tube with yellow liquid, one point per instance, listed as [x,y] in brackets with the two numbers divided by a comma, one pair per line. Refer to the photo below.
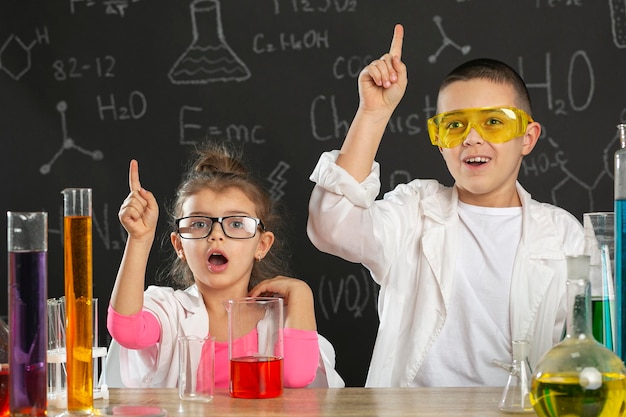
[77,239]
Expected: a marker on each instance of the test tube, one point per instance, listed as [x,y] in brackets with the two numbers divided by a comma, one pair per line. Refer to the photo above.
[77,239]
[620,242]
[27,245]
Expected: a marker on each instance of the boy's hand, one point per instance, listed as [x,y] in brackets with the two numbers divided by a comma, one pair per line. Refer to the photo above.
[139,211]
[383,82]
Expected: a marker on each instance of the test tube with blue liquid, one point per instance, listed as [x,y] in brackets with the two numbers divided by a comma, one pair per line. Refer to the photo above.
[620,242]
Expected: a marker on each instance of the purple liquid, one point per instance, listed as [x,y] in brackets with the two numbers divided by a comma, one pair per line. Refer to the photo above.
[28,332]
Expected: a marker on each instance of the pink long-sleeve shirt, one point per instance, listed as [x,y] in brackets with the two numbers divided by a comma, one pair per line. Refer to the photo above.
[301,348]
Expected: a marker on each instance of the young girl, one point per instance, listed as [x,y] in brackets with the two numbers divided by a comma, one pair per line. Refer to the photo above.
[222,222]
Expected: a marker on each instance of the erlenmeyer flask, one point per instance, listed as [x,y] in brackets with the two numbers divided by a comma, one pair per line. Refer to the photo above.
[208,58]
[579,376]
[515,397]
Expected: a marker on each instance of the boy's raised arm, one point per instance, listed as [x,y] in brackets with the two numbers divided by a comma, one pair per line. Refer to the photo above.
[381,87]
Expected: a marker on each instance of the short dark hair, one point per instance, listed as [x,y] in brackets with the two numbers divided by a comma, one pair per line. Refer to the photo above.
[495,71]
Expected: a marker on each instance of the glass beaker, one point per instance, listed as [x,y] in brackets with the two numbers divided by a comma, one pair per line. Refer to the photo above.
[77,239]
[196,375]
[516,395]
[579,376]
[255,346]
[27,244]
[600,238]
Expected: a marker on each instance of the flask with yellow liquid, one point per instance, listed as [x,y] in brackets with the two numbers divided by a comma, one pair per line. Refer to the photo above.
[579,376]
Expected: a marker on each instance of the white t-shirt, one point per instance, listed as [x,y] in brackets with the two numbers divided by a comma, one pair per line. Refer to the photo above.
[477,329]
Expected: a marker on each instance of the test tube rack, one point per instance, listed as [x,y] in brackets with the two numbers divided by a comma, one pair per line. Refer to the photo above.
[57,374]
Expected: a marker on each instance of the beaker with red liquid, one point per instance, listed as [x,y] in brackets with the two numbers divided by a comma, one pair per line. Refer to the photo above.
[255,346]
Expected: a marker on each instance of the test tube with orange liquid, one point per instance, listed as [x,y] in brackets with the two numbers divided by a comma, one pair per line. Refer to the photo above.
[77,239]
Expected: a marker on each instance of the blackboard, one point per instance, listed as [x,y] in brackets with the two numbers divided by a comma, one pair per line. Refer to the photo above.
[86,85]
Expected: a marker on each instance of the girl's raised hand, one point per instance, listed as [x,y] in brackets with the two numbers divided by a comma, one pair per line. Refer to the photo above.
[383,82]
[139,211]
[298,300]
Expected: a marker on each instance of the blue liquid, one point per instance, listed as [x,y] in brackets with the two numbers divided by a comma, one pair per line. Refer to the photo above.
[620,275]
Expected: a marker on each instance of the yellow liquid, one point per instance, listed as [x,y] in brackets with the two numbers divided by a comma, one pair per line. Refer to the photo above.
[561,395]
[79,313]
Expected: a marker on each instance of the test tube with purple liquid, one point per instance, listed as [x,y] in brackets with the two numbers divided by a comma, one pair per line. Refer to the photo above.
[27,245]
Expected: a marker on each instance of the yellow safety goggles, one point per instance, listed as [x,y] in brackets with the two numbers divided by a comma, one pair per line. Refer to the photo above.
[493,124]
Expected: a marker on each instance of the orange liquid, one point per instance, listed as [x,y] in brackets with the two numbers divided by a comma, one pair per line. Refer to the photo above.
[256,377]
[78,298]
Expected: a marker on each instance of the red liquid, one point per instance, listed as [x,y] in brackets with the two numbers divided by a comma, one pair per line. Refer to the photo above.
[4,393]
[256,377]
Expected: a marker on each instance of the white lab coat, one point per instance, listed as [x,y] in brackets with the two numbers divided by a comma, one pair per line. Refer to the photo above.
[182,313]
[409,242]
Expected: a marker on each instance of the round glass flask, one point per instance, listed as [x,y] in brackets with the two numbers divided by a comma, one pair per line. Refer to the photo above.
[579,376]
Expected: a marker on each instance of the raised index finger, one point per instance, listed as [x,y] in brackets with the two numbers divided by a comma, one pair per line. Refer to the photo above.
[133,176]
[396,42]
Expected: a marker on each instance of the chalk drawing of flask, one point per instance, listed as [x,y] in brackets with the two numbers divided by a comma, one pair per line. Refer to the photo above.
[208,58]
[618,22]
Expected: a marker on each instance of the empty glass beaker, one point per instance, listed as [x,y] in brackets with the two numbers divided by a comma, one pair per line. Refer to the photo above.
[255,346]
[196,375]
[579,376]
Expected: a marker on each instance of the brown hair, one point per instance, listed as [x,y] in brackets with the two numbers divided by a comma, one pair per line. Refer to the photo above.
[495,71]
[219,166]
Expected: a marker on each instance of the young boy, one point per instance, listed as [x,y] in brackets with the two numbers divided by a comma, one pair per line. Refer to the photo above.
[463,270]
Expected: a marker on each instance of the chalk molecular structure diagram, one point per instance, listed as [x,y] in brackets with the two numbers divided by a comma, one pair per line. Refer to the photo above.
[446,41]
[15,55]
[67,143]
